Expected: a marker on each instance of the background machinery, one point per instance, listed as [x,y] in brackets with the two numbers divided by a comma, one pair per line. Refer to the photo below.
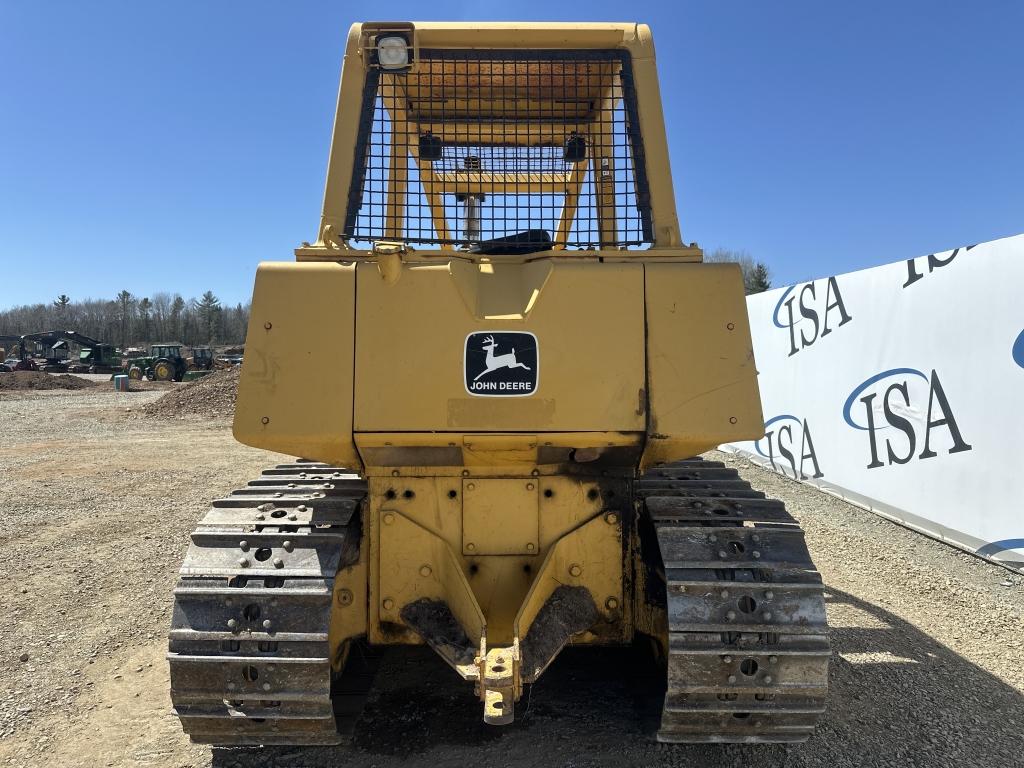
[524,356]
[163,363]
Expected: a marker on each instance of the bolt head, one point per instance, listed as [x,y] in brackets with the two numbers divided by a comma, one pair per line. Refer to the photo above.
[773,659]
[288,546]
[243,562]
[293,516]
[769,595]
[267,624]
[301,508]
[260,516]
[530,546]
[243,545]
[611,603]
[756,554]
[722,554]
[395,473]
[425,570]
[730,615]
[768,679]
[278,562]
[727,659]
[232,623]
[470,486]
[732,678]
[575,570]
[266,686]
[389,604]
[725,593]
[611,518]
[389,518]
[529,486]
[345,597]
[767,615]
[470,547]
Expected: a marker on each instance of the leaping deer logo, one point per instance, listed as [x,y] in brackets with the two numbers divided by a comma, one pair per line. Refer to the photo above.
[494,362]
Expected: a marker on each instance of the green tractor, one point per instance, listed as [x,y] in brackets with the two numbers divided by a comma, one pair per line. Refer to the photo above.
[163,363]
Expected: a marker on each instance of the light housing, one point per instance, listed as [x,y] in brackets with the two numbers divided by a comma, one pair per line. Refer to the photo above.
[392,52]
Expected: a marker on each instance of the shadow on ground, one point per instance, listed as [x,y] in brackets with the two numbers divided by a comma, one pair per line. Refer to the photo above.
[898,698]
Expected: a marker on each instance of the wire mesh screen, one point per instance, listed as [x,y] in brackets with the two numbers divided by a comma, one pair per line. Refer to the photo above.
[501,152]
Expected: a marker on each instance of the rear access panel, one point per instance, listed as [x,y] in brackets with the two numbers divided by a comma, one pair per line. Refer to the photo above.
[565,340]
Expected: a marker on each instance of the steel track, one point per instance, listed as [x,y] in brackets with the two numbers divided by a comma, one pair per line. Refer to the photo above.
[748,647]
[248,649]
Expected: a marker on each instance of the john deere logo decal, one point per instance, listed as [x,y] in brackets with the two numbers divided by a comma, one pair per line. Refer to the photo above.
[503,364]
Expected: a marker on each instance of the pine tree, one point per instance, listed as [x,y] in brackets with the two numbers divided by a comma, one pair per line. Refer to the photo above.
[125,304]
[61,305]
[759,280]
[209,311]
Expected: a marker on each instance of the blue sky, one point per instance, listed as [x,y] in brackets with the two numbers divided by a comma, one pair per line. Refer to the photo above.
[172,146]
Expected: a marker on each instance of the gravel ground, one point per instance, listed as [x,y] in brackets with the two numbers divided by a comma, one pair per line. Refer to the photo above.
[928,641]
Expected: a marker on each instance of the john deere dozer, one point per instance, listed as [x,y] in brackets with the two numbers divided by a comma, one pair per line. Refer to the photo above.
[517,359]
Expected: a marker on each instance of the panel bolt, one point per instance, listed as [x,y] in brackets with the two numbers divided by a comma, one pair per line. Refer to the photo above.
[727,659]
[293,516]
[268,325]
[465,473]
[260,516]
[243,545]
[773,659]
[425,570]
[529,486]
[530,546]
[243,561]
[725,593]
[712,538]
[730,326]
[389,519]
[232,623]
[721,553]
[611,518]
[756,554]
[768,679]
[265,420]
[470,546]
[389,604]
[470,486]
[767,615]
[769,595]
[231,686]
[575,570]
[345,597]
[278,562]
[755,538]
[395,473]
[730,615]
[536,471]
[732,419]
[271,667]
[288,546]
[732,678]
[301,508]
[266,686]
[611,603]
[267,624]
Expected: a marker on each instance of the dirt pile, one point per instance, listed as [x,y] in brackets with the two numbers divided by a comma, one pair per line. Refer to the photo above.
[40,380]
[211,396]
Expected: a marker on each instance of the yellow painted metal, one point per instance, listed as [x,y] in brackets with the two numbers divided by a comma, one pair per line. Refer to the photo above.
[500,516]
[356,358]
[589,325]
[349,610]
[634,38]
[498,582]
[296,386]
[589,556]
[700,363]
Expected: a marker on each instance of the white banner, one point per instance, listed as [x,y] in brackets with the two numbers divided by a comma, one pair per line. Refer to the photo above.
[901,389]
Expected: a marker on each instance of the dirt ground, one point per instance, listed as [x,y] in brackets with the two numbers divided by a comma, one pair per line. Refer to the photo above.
[97,505]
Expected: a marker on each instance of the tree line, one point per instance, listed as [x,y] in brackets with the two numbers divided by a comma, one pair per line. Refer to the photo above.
[128,320]
[756,275]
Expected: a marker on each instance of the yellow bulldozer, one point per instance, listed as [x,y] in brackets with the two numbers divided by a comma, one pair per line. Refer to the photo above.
[498,363]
